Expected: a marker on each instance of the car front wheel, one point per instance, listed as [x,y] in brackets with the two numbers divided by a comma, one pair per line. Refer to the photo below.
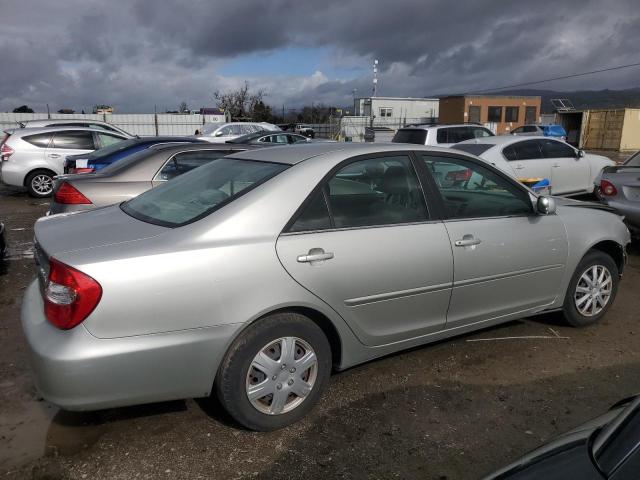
[275,372]
[592,289]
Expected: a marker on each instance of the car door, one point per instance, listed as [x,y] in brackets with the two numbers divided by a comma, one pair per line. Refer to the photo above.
[70,142]
[570,173]
[527,160]
[364,243]
[507,259]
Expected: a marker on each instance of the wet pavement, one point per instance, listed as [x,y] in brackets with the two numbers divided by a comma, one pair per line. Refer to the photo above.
[456,409]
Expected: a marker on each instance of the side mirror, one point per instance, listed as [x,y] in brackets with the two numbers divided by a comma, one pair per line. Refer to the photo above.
[580,153]
[545,205]
[218,134]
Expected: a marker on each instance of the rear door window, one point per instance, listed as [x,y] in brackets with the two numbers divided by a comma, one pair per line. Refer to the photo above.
[410,135]
[41,140]
[105,140]
[528,150]
[187,161]
[73,140]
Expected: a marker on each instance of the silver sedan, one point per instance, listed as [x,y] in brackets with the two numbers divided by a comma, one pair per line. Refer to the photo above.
[252,277]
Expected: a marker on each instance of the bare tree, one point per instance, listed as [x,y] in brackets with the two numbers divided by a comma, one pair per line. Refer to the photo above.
[183,107]
[240,103]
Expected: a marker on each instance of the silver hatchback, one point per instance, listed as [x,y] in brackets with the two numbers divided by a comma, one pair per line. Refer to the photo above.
[252,277]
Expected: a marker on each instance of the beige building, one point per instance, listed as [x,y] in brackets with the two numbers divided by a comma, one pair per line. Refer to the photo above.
[502,112]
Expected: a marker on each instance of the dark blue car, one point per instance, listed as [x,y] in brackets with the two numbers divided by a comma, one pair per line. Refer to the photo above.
[98,159]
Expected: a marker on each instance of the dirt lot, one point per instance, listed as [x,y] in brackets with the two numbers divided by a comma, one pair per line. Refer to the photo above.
[453,410]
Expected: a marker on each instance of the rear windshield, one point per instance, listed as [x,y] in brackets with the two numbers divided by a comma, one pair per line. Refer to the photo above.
[473,148]
[633,161]
[197,193]
[410,135]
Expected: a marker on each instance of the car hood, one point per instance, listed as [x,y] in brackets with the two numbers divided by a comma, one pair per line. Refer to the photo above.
[68,232]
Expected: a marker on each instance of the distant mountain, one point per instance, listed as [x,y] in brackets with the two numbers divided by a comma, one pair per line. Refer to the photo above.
[585,99]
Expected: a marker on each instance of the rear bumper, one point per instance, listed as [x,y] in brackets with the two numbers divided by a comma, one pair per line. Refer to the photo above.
[77,371]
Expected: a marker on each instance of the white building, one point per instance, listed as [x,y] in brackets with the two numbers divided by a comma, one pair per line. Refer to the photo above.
[397,111]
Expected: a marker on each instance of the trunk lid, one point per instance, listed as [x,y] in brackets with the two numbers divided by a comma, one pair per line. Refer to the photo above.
[96,228]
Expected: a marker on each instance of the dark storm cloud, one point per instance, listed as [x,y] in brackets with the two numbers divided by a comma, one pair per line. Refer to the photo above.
[76,53]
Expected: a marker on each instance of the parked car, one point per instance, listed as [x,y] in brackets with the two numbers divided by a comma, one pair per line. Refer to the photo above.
[58,122]
[254,275]
[221,132]
[3,243]
[306,130]
[619,187]
[606,448]
[555,131]
[132,175]
[31,157]
[270,138]
[569,170]
[440,135]
[99,159]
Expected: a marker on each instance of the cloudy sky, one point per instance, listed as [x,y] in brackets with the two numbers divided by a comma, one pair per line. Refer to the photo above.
[134,54]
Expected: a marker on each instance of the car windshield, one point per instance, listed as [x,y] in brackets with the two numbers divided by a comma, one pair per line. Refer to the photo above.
[197,193]
[209,128]
[410,135]
[473,148]
[633,161]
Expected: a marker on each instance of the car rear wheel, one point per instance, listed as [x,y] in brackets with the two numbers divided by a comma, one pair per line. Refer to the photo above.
[592,289]
[40,183]
[275,372]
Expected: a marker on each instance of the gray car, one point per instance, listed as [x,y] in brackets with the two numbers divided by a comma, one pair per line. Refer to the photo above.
[132,175]
[619,187]
[252,277]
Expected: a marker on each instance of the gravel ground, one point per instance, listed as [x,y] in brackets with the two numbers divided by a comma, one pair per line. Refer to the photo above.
[452,410]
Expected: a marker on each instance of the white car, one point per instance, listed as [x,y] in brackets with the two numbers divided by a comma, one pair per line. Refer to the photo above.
[60,122]
[31,157]
[440,135]
[570,171]
[221,132]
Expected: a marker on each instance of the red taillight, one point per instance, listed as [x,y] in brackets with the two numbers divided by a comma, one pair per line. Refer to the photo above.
[69,296]
[5,152]
[70,195]
[607,188]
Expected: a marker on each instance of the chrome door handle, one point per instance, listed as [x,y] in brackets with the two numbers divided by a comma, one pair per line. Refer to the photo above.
[315,255]
[519,166]
[467,241]
[54,155]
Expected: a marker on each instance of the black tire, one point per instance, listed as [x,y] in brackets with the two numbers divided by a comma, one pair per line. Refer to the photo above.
[571,313]
[34,183]
[231,386]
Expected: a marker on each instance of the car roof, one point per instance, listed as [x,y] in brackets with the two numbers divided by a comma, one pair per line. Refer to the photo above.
[62,120]
[254,135]
[507,139]
[427,126]
[33,131]
[293,154]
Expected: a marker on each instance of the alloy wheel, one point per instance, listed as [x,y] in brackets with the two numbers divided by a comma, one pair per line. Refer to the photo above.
[593,290]
[281,375]
[42,184]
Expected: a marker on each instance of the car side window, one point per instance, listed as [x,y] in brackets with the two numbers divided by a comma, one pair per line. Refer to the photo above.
[41,140]
[297,139]
[470,190]
[518,130]
[186,161]
[225,131]
[528,150]
[73,140]
[555,149]
[443,135]
[372,192]
[480,133]
[279,139]
[315,215]
[105,139]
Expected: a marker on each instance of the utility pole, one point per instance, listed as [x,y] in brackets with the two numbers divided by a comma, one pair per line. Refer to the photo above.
[375,77]
[283,120]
